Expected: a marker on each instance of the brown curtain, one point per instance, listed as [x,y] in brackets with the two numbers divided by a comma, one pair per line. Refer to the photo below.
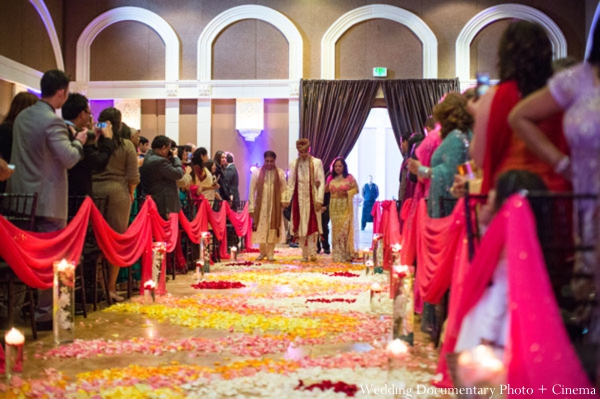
[410,102]
[333,113]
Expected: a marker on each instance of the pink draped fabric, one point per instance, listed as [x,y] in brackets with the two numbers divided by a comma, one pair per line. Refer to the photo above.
[441,243]
[31,255]
[200,223]
[390,227]
[242,224]
[377,214]
[538,352]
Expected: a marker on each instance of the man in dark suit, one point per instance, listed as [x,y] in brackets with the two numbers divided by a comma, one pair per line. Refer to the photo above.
[231,175]
[97,150]
[42,151]
[159,174]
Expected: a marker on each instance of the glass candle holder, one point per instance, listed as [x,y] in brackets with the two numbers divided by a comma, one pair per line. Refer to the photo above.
[403,297]
[234,253]
[204,237]
[63,309]
[375,298]
[150,291]
[199,270]
[13,355]
[159,266]
[369,268]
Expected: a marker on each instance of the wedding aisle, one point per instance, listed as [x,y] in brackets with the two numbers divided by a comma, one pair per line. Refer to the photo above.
[250,329]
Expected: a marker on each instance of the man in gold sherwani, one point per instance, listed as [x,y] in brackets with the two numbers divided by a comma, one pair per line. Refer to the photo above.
[306,188]
[267,195]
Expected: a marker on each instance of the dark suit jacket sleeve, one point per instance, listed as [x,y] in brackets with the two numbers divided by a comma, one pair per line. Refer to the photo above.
[171,171]
[97,156]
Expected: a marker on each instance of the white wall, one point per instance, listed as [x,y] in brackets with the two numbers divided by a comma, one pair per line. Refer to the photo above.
[376,153]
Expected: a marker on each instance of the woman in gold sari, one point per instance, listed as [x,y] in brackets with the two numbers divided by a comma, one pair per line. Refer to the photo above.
[343,188]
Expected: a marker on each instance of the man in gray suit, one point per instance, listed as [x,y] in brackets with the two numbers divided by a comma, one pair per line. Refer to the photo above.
[42,152]
[159,174]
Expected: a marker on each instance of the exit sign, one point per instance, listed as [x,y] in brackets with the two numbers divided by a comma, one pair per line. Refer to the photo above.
[379,72]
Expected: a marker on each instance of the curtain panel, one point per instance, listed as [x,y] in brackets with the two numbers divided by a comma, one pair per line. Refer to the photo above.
[333,113]
[410,102]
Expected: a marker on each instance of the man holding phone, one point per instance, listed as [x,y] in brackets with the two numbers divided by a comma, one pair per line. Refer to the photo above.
[42,152]
[97,150]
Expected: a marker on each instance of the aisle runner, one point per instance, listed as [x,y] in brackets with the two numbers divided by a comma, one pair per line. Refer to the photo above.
[282,329]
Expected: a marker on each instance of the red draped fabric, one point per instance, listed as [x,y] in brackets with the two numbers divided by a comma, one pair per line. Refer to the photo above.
[390,227]
[538,352]
[377,215]
[242,223]
[31,255]
[441,243]
[200,223]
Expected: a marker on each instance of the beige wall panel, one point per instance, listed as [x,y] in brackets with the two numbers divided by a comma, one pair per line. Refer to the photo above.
[24,35]
[246,153]
[153,118]
[382,43]
[127,51]
[568,15]
[187,121]
[484,49]
[447,19]
[234,52]
[237,56]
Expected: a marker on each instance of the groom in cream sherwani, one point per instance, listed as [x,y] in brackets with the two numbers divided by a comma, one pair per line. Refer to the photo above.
[306,188]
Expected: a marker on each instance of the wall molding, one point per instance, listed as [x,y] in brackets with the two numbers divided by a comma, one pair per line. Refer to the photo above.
[120,14]
[595,21]
[42,10]
[20,74]
[397,14]
[235,14]
[496,13]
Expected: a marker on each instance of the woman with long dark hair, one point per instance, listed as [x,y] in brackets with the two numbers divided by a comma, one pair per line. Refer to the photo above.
[525,65]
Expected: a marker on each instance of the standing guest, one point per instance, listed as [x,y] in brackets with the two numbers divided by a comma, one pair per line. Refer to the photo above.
[159,175]
[370,192]
[117,182]
[266,197]
[144,146]
[342,187]
[306,188]
[231,175]
[42,152]
[455,132]
[21,101]
[97,150]
[219,174]
[576,91]
[496,148]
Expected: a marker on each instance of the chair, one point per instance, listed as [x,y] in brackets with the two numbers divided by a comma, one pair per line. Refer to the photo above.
[20,210]
[97,271]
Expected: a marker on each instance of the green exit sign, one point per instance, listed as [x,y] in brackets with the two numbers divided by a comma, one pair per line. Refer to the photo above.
[379,72]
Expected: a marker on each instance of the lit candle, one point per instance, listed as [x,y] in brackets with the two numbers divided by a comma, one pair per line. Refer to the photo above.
[375,287]
[14,337]
[234,253]
[396,248]
[480,365]
[63,266]
[13,356]
[397,349]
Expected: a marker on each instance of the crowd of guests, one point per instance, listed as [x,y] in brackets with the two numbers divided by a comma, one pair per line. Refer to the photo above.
[537,130]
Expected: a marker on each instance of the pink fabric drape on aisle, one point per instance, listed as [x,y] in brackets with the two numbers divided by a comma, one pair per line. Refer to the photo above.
[390,227]
[539,353]
[377,214]
[441,243]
